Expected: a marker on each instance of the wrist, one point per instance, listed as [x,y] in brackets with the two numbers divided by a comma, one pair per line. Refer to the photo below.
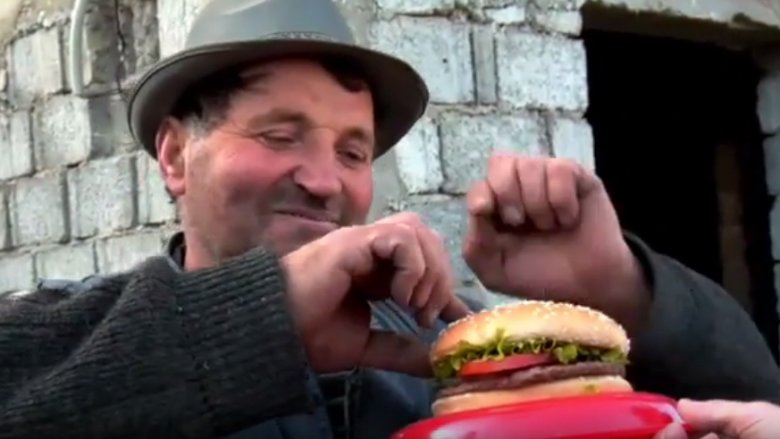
[629,294]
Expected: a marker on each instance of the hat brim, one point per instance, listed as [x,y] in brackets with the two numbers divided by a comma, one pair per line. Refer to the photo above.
[399,93]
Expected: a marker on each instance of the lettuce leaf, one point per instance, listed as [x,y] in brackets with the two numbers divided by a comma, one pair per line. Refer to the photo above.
[501,346]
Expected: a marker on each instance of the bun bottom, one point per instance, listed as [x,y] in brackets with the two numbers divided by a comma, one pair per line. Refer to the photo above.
[553,389]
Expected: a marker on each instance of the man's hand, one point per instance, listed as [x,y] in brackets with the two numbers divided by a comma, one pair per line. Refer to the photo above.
[331,280]
[545,228]
[726,420]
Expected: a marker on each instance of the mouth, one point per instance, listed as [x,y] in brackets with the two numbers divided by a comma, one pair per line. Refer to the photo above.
[309,215]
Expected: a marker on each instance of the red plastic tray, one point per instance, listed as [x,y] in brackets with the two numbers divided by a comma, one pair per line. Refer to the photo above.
[631,415]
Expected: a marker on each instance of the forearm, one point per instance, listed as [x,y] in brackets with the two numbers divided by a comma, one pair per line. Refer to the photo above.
[696,341]
[198,355]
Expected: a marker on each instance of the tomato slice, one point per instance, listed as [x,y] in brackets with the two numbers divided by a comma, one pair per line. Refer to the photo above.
[512,362]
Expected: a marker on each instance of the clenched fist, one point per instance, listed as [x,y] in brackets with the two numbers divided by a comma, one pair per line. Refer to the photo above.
[545,228]
[331,280]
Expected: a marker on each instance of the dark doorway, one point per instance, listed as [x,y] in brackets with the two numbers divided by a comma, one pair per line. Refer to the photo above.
[678,145]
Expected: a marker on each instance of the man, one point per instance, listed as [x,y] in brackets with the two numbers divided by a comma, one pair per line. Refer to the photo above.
[278,313]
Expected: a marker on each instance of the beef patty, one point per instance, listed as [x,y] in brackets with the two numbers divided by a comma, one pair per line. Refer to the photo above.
[534,375]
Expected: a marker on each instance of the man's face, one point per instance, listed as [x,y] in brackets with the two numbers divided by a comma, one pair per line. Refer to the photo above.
[290,162]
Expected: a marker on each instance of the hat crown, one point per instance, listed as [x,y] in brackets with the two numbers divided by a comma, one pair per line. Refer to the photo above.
[240,21]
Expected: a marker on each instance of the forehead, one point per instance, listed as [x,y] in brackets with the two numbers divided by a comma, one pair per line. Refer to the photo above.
[303,79]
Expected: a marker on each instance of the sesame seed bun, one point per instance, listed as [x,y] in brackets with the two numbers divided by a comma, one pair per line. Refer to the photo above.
[534,319]
[554,389]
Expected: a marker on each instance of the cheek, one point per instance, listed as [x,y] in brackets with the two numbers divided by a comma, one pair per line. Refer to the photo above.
[247,175]
[359,188]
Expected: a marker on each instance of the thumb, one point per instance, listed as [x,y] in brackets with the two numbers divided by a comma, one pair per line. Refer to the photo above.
[717,416]
[395,352]
[672,431]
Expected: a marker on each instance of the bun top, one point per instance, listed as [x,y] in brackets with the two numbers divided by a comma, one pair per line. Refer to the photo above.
[532,319]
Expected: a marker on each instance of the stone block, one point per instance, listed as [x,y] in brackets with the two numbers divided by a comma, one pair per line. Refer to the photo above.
[102,196]
[573,139]
[559,5]
[174,18]
[414,6]
[448,216]
[145,31]
[541,71]
[769,103]
[387,184]
[5,229]
[772,164]
[485,65]
[36,66]
[124,252]
[469,140]
[68,130]
[16,145]
[418,159]
[121,140]
[16,272]
[67,262]
[565,22]
[774,228]
[439,49]
[38,210]
[512,14]
[154,204]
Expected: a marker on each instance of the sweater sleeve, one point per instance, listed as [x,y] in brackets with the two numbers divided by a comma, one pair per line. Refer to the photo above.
[698,342]
[154,353]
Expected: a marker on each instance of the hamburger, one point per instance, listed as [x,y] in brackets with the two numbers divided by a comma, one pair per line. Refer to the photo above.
[527,351]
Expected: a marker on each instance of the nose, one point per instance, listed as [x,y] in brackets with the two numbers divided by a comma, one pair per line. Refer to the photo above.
[318,174]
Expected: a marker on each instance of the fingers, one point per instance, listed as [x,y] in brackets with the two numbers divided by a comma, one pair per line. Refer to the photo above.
[505,185]
[726,418]
[672,431]
[396,352]
[424,276]
[543,191]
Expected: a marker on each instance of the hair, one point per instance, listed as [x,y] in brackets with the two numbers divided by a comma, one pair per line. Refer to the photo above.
[207,101]
[205,104]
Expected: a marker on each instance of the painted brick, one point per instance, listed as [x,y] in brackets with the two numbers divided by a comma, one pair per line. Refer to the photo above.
[417,155]
[16,272]
[122,253]
[5,229]
[565,22]
[485,65]
[38,210]
[769,103]
[446,215]
[468,142]
[154,205]
[440,50]
[15,136]
[414,6]
[541,71]
[102,196]
[772,164]
[573,139]
[36,64]
[67,262]
[68,130]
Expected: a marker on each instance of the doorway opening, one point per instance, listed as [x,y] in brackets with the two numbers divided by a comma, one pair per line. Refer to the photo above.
[679,147]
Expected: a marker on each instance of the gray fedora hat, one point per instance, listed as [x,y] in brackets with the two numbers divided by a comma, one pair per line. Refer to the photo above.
[228,33]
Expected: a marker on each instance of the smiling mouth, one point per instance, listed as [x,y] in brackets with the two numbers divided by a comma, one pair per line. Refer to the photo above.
[309,216]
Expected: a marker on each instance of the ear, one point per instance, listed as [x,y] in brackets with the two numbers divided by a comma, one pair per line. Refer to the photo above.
[171,143]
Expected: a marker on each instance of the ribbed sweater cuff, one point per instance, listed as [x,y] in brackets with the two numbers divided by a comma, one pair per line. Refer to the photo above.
[248,359]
